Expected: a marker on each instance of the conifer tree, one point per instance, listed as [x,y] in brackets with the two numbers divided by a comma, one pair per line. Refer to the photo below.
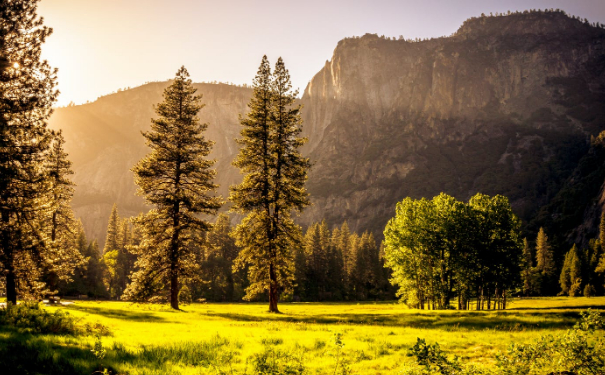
[527,275]
[544,257]
[27,92]
[273,185]
[602,231]
[63,230]
[111,239]
[176,178]
[219,251]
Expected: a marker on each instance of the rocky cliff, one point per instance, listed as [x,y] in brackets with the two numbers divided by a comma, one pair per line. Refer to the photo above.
[104,142]
[505,105]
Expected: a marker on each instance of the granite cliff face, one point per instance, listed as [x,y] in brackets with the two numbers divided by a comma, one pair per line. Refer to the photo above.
[104,142]
[505,105]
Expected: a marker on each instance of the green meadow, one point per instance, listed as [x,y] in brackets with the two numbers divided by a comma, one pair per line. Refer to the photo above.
[319,338]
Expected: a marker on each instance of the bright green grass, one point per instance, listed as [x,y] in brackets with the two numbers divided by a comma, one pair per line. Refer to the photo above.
[219,338]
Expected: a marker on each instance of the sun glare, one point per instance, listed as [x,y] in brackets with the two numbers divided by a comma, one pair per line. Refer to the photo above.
[16,65]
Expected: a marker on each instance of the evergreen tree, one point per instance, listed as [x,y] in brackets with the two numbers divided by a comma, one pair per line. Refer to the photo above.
[219,251]
[544,257]
[273,185]
[176,178]
[575,272]
[111,239]
[602,231]
[62,229]
[27,92]
[564,278]
[527,275]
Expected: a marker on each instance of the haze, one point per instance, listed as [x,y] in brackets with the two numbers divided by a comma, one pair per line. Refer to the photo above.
[102,46]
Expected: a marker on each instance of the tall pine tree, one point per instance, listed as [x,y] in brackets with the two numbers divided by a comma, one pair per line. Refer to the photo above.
[273,185]
[63,229]
[27,92]
[176,178]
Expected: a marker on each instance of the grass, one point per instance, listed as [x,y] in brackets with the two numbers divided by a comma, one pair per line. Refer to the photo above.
[368,338]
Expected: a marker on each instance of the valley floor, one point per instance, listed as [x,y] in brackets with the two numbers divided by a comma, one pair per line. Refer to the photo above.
[323,338]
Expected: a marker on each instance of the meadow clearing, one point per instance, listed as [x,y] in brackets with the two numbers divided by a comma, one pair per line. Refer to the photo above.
[322,338]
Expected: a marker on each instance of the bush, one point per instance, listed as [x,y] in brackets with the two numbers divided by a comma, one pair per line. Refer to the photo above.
[433,359]
[31,317]
[589,291]
[278,362]
[580,351]
[185,295]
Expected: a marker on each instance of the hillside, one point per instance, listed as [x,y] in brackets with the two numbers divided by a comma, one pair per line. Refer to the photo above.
[506,105]
[104,141]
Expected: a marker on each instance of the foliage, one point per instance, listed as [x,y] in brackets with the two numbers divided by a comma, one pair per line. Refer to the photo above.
[433,359]
[176,178]
[442,248]
[274,361]
[580,350]
[34,188]
[31,317]
[274,177]
[185,295]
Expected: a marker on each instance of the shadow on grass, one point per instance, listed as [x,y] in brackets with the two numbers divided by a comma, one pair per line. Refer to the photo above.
[497,320]
[24,353]
[135,316]
[583,307]
[27,353]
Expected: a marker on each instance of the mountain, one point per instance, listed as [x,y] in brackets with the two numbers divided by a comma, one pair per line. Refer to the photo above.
[104,142]
[506,105]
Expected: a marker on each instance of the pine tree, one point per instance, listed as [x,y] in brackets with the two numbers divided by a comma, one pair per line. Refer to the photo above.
[273,185]
[111,240]
[176,178]
[527,276]
[217,274]
[544,256]
[63,234]
[564,278]
[602,231]
[27,92]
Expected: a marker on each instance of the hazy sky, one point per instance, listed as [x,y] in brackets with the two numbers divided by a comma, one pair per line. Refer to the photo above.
[100,46]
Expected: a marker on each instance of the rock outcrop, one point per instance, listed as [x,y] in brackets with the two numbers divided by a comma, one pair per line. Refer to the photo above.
[505,105]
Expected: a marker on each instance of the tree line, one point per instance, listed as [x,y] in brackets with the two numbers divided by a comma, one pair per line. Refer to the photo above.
[329,265]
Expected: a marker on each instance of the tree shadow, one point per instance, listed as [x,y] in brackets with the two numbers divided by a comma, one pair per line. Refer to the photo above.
[136,316]
[468,320]
[25,353]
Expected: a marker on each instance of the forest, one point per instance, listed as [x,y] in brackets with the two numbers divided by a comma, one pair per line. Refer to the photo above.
[239,282]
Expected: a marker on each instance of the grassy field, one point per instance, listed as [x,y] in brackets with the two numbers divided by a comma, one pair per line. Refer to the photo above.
[324,338]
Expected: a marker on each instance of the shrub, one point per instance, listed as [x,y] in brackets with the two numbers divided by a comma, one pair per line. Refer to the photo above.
[185,295]
[433,359]
[31,317]
[589,291]
[278,362]
[580,351]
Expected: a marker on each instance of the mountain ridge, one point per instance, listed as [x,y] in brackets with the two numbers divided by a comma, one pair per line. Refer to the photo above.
[506,105]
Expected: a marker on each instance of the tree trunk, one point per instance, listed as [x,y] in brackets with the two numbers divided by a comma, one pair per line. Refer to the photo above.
[273,295]
[11,287]
[174,290]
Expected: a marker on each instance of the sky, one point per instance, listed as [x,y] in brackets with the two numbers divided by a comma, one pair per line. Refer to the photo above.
[100,46]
